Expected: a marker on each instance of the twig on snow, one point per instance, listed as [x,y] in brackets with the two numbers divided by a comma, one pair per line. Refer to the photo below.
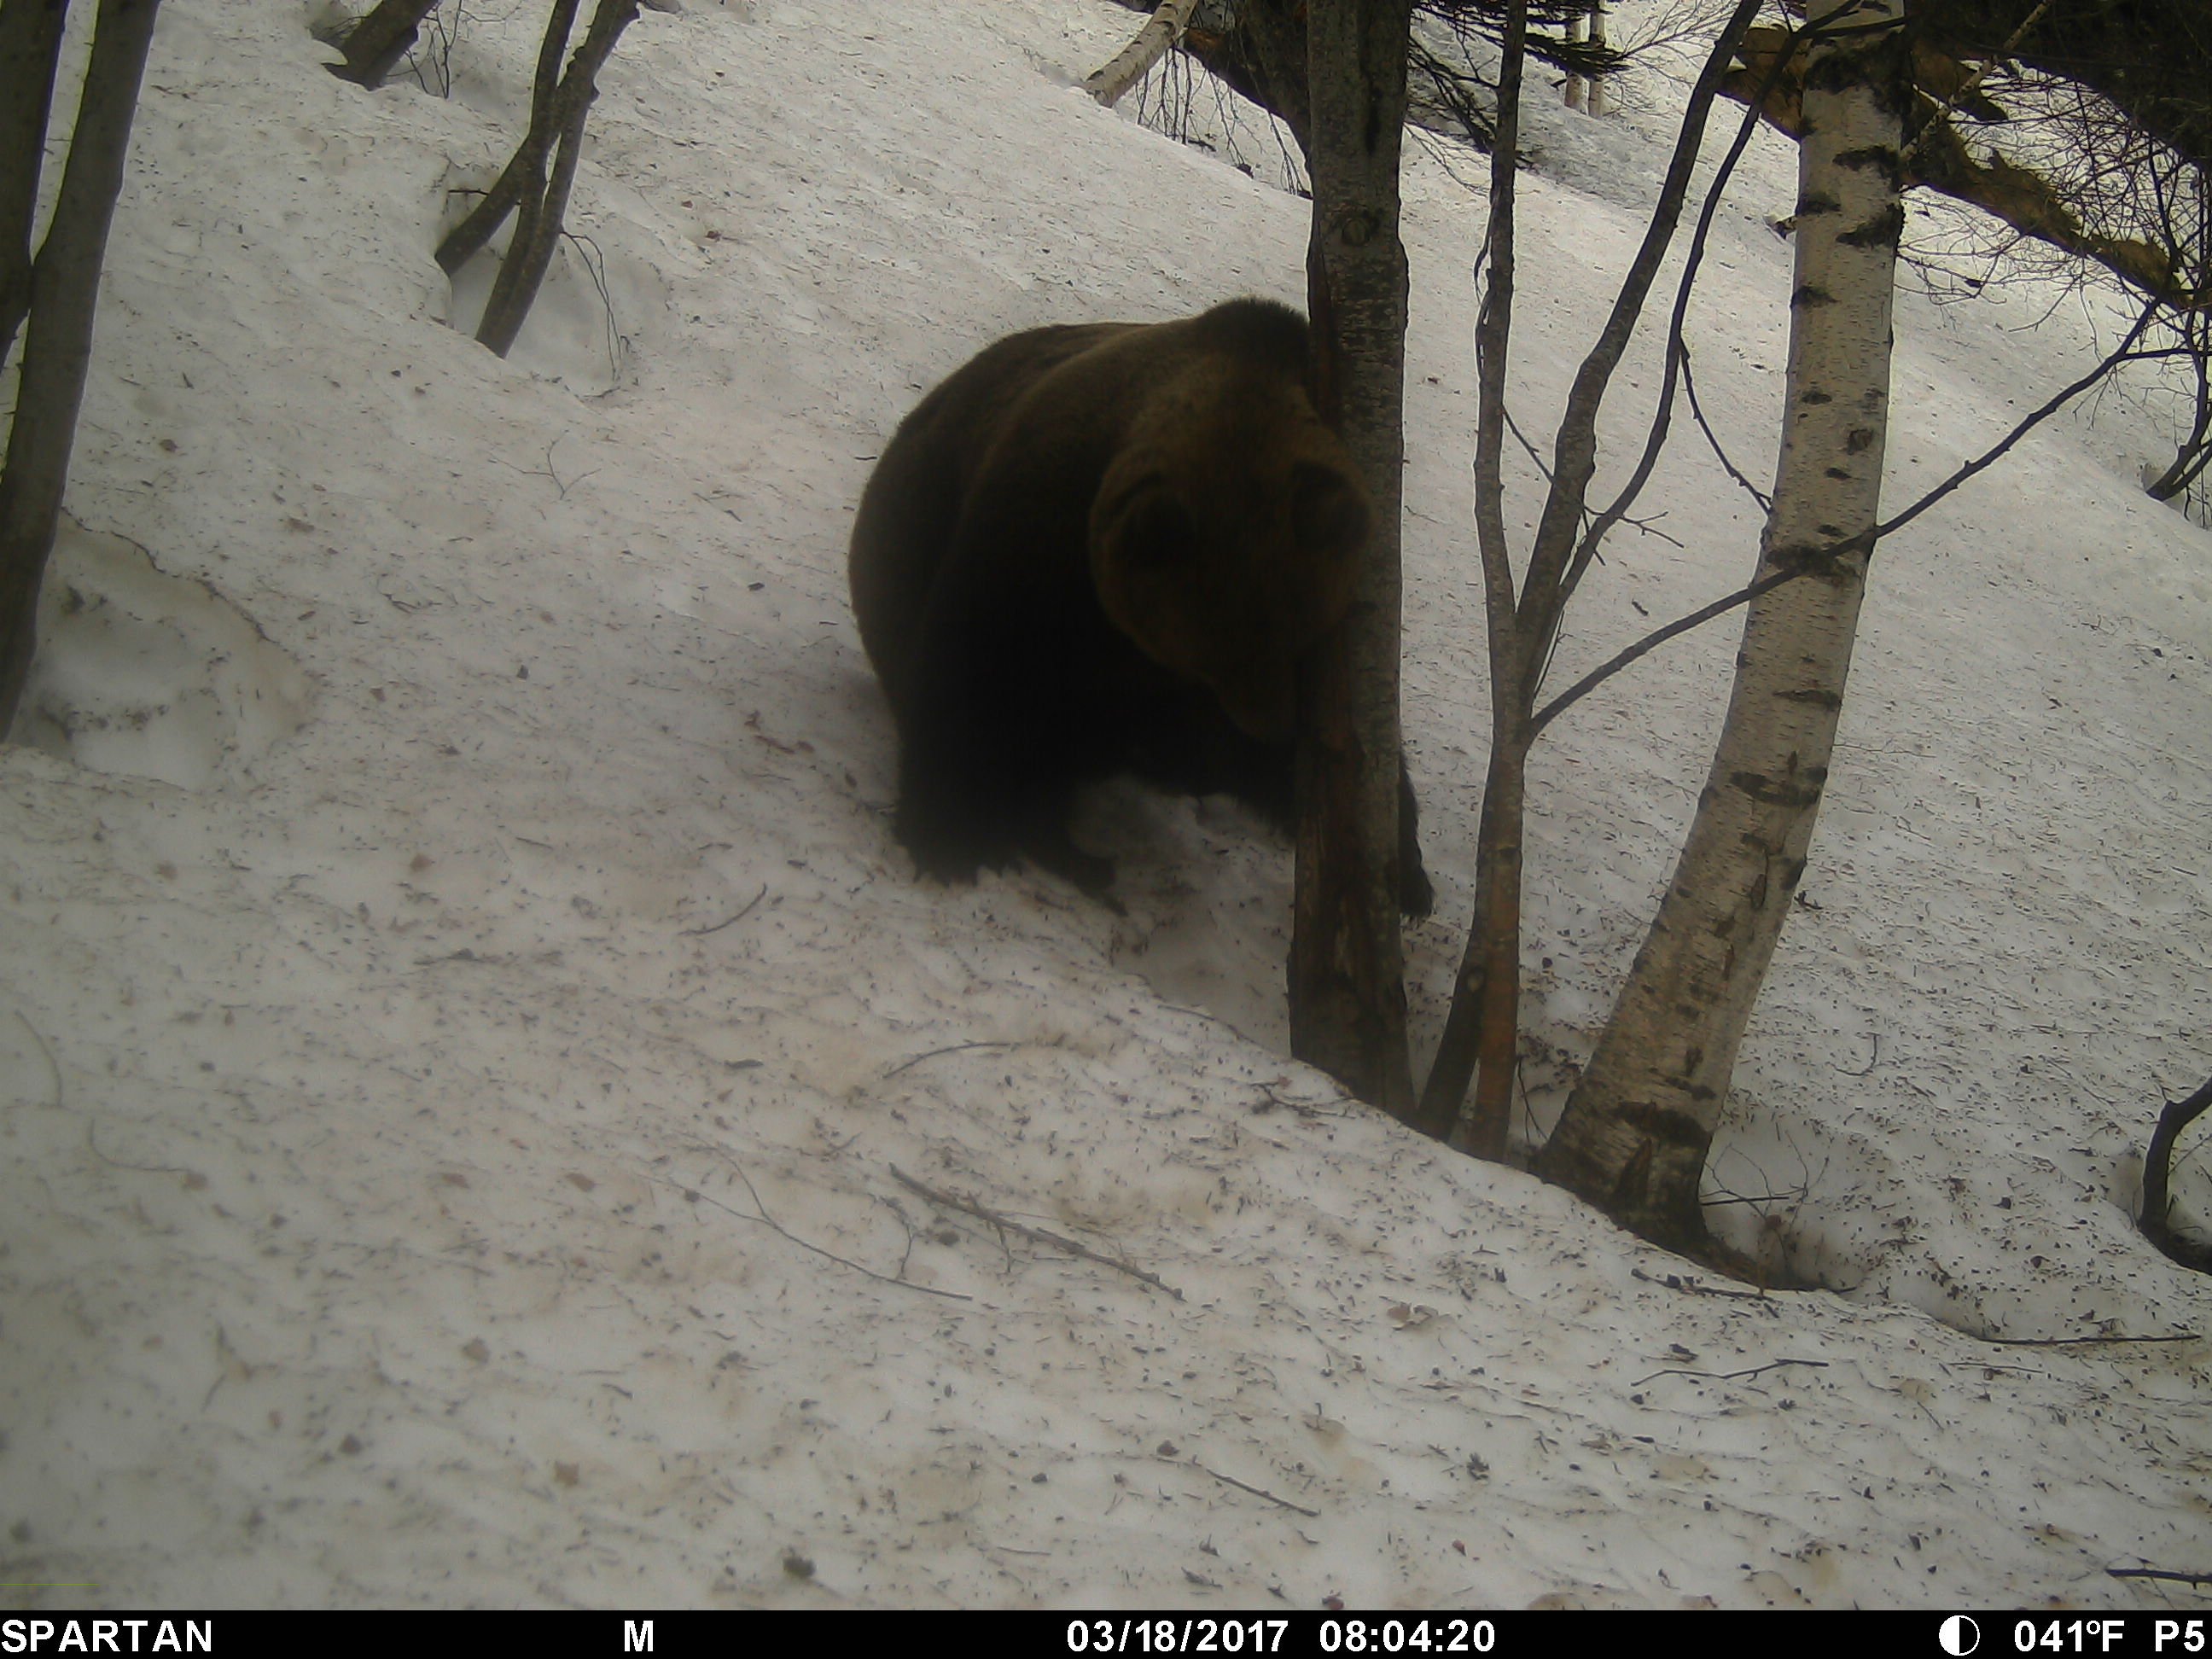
[2159,1573]
[53,1065]
[118,1163]
[1035,1235]
[1692,1287]
[1240,1486]
[1730,1377]
[2078,1341]
[958,1047]
[693,1195]
[700,932]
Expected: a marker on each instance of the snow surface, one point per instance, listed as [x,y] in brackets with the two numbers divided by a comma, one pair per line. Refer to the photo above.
[451,910]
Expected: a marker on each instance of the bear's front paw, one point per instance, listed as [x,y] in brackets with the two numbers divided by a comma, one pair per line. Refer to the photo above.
[950,850]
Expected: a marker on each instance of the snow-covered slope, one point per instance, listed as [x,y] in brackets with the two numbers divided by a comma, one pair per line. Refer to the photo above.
[469,1038]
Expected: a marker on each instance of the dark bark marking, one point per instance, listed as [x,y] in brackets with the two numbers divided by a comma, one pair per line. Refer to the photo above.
[1810,295]
[1838,72]
[1663,1124]
[1766,791]
[1885,230]
[1882,156]
[1824,564]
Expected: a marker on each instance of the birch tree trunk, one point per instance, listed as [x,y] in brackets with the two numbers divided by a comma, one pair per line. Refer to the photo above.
[1595,103]
[1635,1133]
[1135,60]
[1347,994]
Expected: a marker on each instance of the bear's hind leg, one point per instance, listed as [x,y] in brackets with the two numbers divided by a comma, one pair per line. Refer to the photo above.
[1047,844]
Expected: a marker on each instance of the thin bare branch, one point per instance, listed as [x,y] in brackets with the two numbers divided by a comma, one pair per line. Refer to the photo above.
[1035,1235]
[1819,557]
[1256,1491]
[693,1195]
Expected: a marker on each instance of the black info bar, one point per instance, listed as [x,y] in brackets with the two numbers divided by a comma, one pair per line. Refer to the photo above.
[1885,1635]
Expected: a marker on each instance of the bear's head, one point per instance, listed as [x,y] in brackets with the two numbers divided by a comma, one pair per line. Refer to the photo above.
[1225,537]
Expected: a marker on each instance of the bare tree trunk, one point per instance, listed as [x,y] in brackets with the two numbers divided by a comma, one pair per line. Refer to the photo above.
[1482,1028]
[524,172]
[1480,1041]
[1596,104]
[537,222]
[57,340]
[1133,61]
[30,50]
[374,44]
[1481,1035]
[1634,1136]
[1348,996]
[1577,91]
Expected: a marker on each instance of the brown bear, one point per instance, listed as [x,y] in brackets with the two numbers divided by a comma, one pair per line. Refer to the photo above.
[1103,548]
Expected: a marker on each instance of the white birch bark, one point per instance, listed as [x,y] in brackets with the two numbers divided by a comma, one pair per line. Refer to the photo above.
[1595,101]
[1634,1136]
[1164,28]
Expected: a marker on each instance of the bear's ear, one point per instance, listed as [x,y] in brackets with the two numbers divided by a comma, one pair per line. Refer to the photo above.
[1156,530]
[1328,512]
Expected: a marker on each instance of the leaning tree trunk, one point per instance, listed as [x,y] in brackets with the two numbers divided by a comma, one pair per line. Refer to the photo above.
[1635,1133]
[57,336]
[1135,61]
[1347,994]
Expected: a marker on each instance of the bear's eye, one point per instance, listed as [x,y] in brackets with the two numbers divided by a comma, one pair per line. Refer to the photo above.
[1328,514]
[1156,530]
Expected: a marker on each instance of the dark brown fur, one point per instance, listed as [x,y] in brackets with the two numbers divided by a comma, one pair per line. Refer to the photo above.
[1098,549]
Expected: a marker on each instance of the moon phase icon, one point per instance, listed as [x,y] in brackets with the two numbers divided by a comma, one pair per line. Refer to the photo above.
[1960,1636]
